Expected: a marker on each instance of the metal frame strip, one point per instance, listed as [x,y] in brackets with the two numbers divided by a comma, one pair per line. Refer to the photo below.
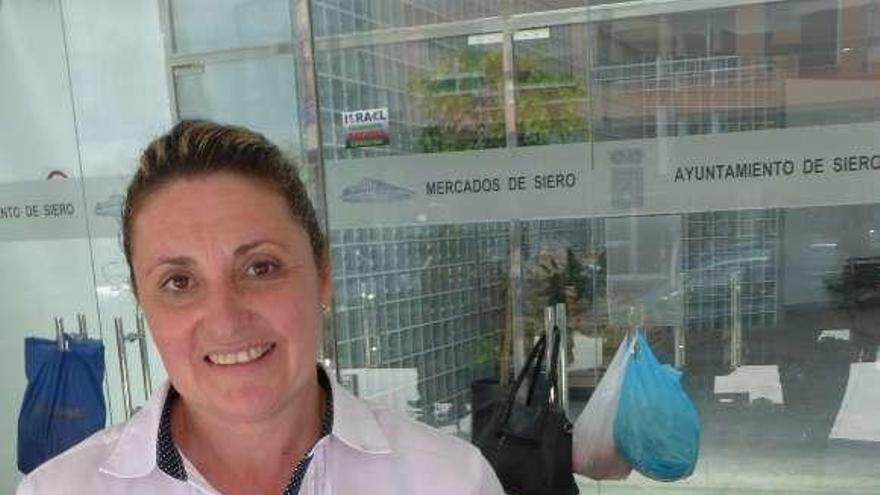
[231,54]
[309,119]
[530,20]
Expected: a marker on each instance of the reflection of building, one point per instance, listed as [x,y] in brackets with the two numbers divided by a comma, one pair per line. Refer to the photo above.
[686,96]
[379,74]
[744,67]
[733,68]
[737,67]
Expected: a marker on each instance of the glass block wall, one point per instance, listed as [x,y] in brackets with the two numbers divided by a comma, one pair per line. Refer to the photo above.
[723,249]
[424,298]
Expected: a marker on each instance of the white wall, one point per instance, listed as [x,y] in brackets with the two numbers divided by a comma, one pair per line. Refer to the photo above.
[118,77]
[119,96]
[36,122]
[36,136]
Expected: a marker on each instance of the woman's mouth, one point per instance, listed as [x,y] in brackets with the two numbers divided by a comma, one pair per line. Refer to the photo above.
[242,356]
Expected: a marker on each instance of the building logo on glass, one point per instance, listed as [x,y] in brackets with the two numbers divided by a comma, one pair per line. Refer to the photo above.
[627,178]
[369,190]
[627,156]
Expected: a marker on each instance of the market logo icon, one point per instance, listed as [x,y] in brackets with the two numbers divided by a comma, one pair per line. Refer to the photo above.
[369,190]
[56,174]
[110,207]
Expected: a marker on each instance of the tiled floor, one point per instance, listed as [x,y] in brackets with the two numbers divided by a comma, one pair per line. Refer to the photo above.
[837,469]
[768,450]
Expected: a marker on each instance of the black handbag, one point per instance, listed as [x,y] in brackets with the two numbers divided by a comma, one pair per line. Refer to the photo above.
[529,444]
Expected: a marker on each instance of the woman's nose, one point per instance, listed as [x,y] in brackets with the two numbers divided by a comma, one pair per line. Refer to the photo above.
[225,312]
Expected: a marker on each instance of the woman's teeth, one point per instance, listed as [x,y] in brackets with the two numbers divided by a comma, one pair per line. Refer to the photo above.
[240,357]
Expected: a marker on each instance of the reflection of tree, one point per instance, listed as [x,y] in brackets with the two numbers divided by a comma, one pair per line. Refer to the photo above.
[550,106]
[463,101]
[572,282]
[573,276]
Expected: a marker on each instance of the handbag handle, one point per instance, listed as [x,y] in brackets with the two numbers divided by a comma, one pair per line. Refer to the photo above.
[536,353]
[554,364]
[536,371]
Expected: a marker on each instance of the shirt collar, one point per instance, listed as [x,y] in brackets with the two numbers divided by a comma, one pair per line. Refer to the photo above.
[135,454]
[355,423]
[168,457]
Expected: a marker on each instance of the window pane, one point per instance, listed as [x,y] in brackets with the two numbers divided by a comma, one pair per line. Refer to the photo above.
[441,95]
[335,17]
[258,93]
[206,25]
[550,67]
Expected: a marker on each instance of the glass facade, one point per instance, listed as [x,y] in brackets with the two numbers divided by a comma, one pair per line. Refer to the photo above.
[707,169]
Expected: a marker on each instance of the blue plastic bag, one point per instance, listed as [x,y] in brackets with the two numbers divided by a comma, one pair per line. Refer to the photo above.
[656,428]
[64,400]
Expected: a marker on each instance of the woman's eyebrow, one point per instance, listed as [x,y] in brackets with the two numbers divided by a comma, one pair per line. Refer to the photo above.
[244,248]
[184,261]
[174,261]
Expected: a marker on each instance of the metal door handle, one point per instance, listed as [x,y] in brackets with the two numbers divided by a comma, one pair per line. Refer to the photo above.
[145,355]
[123,366]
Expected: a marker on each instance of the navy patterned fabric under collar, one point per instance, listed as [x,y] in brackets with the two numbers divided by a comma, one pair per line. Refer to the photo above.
[169,460]
[167,456]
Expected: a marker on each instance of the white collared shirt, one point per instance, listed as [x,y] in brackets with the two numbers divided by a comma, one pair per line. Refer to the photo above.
[371,450]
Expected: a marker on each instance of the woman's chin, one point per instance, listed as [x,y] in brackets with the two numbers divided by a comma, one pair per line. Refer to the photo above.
[248,405]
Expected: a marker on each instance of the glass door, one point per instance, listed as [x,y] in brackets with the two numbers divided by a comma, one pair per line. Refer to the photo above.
[440,226]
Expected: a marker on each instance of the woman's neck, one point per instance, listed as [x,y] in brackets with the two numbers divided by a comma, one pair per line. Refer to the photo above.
[249,456]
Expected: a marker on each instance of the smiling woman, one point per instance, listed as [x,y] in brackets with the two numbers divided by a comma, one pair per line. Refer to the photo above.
[234,296]
[229,264]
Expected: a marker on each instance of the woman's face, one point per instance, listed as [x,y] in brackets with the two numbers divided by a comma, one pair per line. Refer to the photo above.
[230,287]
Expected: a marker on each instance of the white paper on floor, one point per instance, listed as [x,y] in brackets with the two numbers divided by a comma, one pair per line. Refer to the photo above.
[397,388]
[859,414]
[838,334]
[759,381]
[587,352]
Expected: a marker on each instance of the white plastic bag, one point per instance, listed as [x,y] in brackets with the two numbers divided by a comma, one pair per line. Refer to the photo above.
[593,449]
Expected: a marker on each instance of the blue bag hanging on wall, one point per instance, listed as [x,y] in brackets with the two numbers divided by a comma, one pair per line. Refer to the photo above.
[64,400]
[656,428]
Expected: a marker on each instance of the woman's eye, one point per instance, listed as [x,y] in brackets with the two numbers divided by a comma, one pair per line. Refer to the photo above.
[177,283]
[262,268]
